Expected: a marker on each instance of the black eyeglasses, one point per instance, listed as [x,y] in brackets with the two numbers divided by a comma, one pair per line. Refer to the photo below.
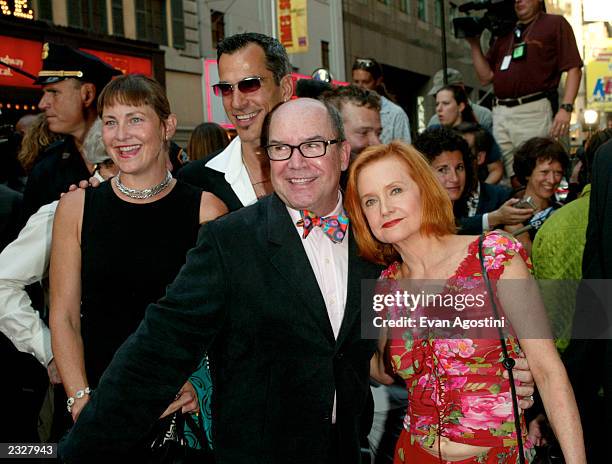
[310,149]
[246,85]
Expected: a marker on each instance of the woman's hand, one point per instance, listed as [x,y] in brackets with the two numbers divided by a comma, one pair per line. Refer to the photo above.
[186,400]
[77,407]
[509,215]
[524,383]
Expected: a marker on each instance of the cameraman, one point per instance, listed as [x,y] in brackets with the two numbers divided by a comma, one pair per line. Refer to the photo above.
[525,66]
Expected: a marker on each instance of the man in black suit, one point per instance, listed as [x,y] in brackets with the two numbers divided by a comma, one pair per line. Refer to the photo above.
[254,77]
[289,366]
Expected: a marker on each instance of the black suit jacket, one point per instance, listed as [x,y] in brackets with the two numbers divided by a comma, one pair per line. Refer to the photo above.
[248,296]
[197,174]
[491,197]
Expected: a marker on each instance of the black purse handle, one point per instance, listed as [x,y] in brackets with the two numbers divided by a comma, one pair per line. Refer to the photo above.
[508,362]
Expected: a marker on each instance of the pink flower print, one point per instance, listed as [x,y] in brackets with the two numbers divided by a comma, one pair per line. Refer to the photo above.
[443,349]
[464,347]
[449,366]
[486,411]
[455,383]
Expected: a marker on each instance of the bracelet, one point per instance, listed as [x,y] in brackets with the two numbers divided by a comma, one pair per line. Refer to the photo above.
[77,396]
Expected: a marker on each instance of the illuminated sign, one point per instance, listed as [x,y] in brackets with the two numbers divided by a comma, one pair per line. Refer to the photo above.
[22,54]
[16,8]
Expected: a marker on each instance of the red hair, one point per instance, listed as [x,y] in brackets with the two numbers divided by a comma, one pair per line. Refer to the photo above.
[437,211]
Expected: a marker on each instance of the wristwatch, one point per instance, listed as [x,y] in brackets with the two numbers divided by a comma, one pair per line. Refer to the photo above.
[567,107]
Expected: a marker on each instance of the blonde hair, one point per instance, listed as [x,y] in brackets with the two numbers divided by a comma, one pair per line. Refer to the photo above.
[37,137]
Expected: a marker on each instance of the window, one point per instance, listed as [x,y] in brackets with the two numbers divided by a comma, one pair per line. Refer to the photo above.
[438,13]
[403,6]
[151,21]
[87,14]
[217,27]
[422,10]
[325,54]
[44,10]
[117,16]
[178,24]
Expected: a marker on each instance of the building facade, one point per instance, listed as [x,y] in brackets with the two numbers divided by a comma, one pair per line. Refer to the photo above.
[178,36]
[405,36]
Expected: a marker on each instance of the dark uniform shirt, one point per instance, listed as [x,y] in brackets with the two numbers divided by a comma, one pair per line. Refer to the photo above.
[60,166]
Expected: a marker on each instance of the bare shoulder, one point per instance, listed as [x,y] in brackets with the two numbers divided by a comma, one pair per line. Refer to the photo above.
[211,207]
[71,204]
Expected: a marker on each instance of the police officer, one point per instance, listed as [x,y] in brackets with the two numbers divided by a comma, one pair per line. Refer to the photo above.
[71,81]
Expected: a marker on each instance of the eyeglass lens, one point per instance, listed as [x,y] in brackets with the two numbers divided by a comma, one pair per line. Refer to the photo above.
[312,149]
[247,85]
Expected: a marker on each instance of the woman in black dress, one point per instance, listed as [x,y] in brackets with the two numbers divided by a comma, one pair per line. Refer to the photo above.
[116,247]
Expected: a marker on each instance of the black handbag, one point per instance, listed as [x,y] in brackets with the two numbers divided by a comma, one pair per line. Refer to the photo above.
[508,362]
[170,445]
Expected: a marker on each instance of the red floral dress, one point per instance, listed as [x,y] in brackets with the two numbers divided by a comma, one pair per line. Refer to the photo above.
[455,385]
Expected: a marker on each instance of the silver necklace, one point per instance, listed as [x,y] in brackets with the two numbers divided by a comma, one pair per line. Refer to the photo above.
[144,193]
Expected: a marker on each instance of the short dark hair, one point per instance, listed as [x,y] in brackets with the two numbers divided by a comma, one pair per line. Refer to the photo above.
[277,60]
[310,88]
[534,150]
[353,94]
[334,117]
[483,140]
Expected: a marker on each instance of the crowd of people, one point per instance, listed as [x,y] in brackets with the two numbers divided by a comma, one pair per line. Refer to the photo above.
[224,293]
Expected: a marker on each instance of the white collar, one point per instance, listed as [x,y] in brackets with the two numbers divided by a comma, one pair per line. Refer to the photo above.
[229,162]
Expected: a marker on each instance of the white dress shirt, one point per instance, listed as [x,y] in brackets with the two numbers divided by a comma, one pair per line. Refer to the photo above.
[229,162]
[329,262]
[23,262]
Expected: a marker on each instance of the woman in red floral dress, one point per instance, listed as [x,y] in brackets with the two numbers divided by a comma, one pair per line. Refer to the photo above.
[460,405]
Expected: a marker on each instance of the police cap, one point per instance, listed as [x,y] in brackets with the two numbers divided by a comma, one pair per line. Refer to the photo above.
[62,62]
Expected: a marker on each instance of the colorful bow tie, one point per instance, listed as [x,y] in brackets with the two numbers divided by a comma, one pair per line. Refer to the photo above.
[333,226]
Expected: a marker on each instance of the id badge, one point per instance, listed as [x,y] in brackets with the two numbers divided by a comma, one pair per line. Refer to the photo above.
[520,51]
[505,64]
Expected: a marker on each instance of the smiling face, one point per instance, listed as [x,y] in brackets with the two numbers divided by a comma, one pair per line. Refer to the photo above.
[449,168]
[246,111]
[135,137]
[307,183]
[390,200]
[63,103]
[544,179]
[447,109]
[361,126]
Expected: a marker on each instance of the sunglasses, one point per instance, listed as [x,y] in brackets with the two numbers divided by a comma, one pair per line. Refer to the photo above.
[363,63]
[246,85]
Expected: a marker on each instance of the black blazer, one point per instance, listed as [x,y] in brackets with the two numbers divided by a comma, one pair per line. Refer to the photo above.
[197,174]
[248,296]
[491,197]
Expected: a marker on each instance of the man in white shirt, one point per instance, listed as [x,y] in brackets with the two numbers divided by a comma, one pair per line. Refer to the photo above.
[254,77]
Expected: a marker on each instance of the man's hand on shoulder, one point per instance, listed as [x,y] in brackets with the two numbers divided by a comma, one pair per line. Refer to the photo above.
[92,182]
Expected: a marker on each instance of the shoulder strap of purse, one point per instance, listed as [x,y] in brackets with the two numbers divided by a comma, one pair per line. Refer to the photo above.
[508,362]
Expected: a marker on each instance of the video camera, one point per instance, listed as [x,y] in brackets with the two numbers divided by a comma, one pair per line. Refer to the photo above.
[499,18]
